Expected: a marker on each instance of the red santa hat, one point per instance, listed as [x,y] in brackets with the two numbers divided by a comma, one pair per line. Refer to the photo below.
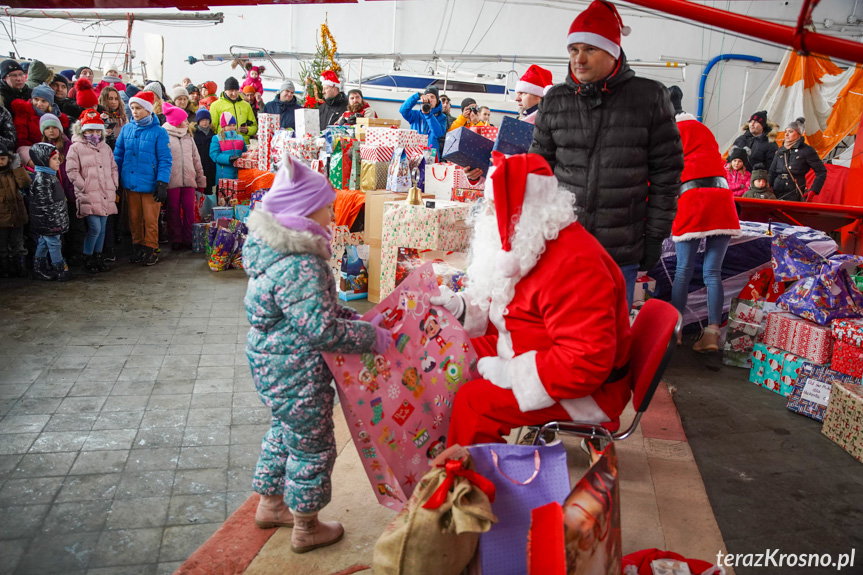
[144,99]
[329,78]
[509,181]
[91,120]
[536,81]
[85,95]
[599,25]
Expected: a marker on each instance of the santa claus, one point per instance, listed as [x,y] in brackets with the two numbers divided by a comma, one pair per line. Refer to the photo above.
[546,306]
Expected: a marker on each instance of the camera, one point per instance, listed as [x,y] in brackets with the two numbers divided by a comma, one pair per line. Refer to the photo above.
[426,108]
[472,109]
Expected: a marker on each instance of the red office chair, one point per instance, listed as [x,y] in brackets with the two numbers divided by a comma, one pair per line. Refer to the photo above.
[654,339]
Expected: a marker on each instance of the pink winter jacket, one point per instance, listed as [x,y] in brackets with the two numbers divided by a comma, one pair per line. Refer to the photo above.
[186,169]
[93,174]
[738,182]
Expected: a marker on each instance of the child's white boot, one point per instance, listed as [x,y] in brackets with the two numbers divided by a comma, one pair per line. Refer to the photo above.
[272,512]
[310,533]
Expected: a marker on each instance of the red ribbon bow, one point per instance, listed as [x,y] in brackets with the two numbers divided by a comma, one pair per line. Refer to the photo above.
[455,467]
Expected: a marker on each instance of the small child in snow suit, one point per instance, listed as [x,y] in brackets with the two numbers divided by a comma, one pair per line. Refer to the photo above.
[254,78]
[759,189]
[187,176]
[227,147]
[48,216]
[13,215]
[737,172]
[292,305]
[91,168]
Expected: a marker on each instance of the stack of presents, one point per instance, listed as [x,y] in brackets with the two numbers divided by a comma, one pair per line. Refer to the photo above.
[805,341]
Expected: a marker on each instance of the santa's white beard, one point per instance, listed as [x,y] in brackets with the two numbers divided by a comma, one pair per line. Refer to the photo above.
[547,209]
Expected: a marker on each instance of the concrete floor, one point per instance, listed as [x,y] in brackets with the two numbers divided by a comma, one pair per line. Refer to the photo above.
[129,429]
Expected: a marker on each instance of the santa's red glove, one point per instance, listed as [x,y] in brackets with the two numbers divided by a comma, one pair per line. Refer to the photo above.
[810,196]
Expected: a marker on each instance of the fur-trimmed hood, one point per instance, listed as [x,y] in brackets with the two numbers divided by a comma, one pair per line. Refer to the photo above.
[269,241]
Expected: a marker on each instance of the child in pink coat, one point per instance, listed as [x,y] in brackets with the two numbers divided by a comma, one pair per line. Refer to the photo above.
[254,78]
[737,172]
[187,176]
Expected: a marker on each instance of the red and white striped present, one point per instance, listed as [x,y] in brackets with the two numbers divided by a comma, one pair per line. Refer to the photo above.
[847,359]
[799,336]
[395,137]
[374,153]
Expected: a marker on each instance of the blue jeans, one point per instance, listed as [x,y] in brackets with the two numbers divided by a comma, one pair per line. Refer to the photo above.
[95,234]
[52,245]
[714,254]
[630,274]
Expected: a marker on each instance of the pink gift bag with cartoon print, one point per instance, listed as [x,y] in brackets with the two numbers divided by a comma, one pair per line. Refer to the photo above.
[398,405]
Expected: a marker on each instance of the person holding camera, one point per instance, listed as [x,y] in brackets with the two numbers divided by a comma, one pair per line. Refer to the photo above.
[230,101]
[429,119]
[469,116]
[357,108]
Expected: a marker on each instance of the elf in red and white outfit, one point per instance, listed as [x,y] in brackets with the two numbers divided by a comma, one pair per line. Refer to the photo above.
[529,91]
[705,209]
[546,306]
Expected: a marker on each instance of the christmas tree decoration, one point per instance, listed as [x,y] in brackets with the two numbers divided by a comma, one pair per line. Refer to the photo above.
[323,61]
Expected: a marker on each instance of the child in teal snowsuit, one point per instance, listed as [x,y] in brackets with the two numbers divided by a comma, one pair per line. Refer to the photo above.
[292,306]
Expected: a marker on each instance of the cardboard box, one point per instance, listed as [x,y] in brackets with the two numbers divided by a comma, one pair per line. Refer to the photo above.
[378,122]
[375,200]
[374,274]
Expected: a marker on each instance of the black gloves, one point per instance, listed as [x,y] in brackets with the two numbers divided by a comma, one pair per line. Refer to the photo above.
[652,253]
[161,193]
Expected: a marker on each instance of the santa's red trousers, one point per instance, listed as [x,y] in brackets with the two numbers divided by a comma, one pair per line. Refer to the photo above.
[484,413]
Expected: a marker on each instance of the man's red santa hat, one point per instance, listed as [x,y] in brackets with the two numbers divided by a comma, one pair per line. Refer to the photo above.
[509,181]
[536,81]
[329,78]
[599,25]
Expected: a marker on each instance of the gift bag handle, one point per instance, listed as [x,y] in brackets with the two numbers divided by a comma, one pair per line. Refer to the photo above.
[494,458]
[434,175]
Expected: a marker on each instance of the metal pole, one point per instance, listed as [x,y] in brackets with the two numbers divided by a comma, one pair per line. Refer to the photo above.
[83,15]
[361,74]
[743,102]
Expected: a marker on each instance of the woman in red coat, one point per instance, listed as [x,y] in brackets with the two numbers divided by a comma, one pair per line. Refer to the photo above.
[705,209]
[26,115]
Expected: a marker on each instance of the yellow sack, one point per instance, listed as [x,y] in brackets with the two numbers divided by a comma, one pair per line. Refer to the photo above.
[437,532]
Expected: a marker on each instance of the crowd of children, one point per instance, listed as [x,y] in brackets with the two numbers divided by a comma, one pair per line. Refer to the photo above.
[81,161]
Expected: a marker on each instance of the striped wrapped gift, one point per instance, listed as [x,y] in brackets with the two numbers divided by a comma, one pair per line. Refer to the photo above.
[376,153]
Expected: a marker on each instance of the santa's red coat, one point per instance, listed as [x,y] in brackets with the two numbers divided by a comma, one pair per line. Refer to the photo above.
[566,329]
[702,211]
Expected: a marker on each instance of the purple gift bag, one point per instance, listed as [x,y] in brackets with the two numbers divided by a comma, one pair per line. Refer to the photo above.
[525,477]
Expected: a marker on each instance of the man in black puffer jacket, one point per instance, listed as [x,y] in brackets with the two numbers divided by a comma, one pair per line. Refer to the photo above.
[608,135]
[756,137]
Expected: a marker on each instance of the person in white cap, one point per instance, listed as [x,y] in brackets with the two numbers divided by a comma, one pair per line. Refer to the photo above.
[611,139]
[529,91]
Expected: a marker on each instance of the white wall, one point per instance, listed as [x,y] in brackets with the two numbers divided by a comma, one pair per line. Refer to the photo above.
[516,27]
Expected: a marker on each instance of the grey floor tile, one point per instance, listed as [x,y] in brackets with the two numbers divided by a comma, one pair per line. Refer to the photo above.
[68,361]
[81,404]
[182,372]
[16,443]
[197,481]
[216,360]
[203,436]
[203,457]
[172,361]
[71,422]
[159,437]
[249,434]
[8,464]
[169,402]
[208,400]
[173,387]
[101,373]
[23,424]
[106,361]
[138,512]
[118,420]
[247,399]
[95,462]
[110,439]
[235,499]
[185,349]
[155,459]
[18,521]
[150,349]
[62,375]
[145,484]
[152,361]
[126,402]
[251,416]
[35,406]
[131,388]
[76,517]
[181,541]
[215,373]
[139,374]
[89,487]
[168,568]
[51,441]
[30,491]
[175,418]
[197,509]
[90,388]
[126,546]
[44,464]
[240,479]
[114,350]
[213,386]
[244,455]
[64,554]
[208,417]
[144,569]
[22,375]
[42,389]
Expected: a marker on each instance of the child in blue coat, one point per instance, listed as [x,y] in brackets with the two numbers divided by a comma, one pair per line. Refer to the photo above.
[294,312]
[226,147]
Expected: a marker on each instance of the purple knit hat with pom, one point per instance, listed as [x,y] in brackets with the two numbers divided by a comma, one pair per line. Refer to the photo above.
[297,192]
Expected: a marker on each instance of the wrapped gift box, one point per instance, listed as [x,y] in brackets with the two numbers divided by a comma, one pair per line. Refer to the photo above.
[467,149]
[746,323]
[226,193]
[847,359]
[776,369]
[466,196]
[375,153]
[373,175]
[848,330]
[395,137]
[461,182]
[514,136]
[843,420]
[737,358]
[645,287]
[307,122]
[405,226]
[811,394]
[799,336]
[241,212]
[279,145]
[378,123]
[487,132]
[220,212]
[268,124]
[342,236]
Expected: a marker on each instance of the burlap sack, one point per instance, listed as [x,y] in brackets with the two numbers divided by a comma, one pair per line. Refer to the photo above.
[440,541]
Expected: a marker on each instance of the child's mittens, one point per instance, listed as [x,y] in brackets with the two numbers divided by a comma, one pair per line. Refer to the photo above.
[383,336]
